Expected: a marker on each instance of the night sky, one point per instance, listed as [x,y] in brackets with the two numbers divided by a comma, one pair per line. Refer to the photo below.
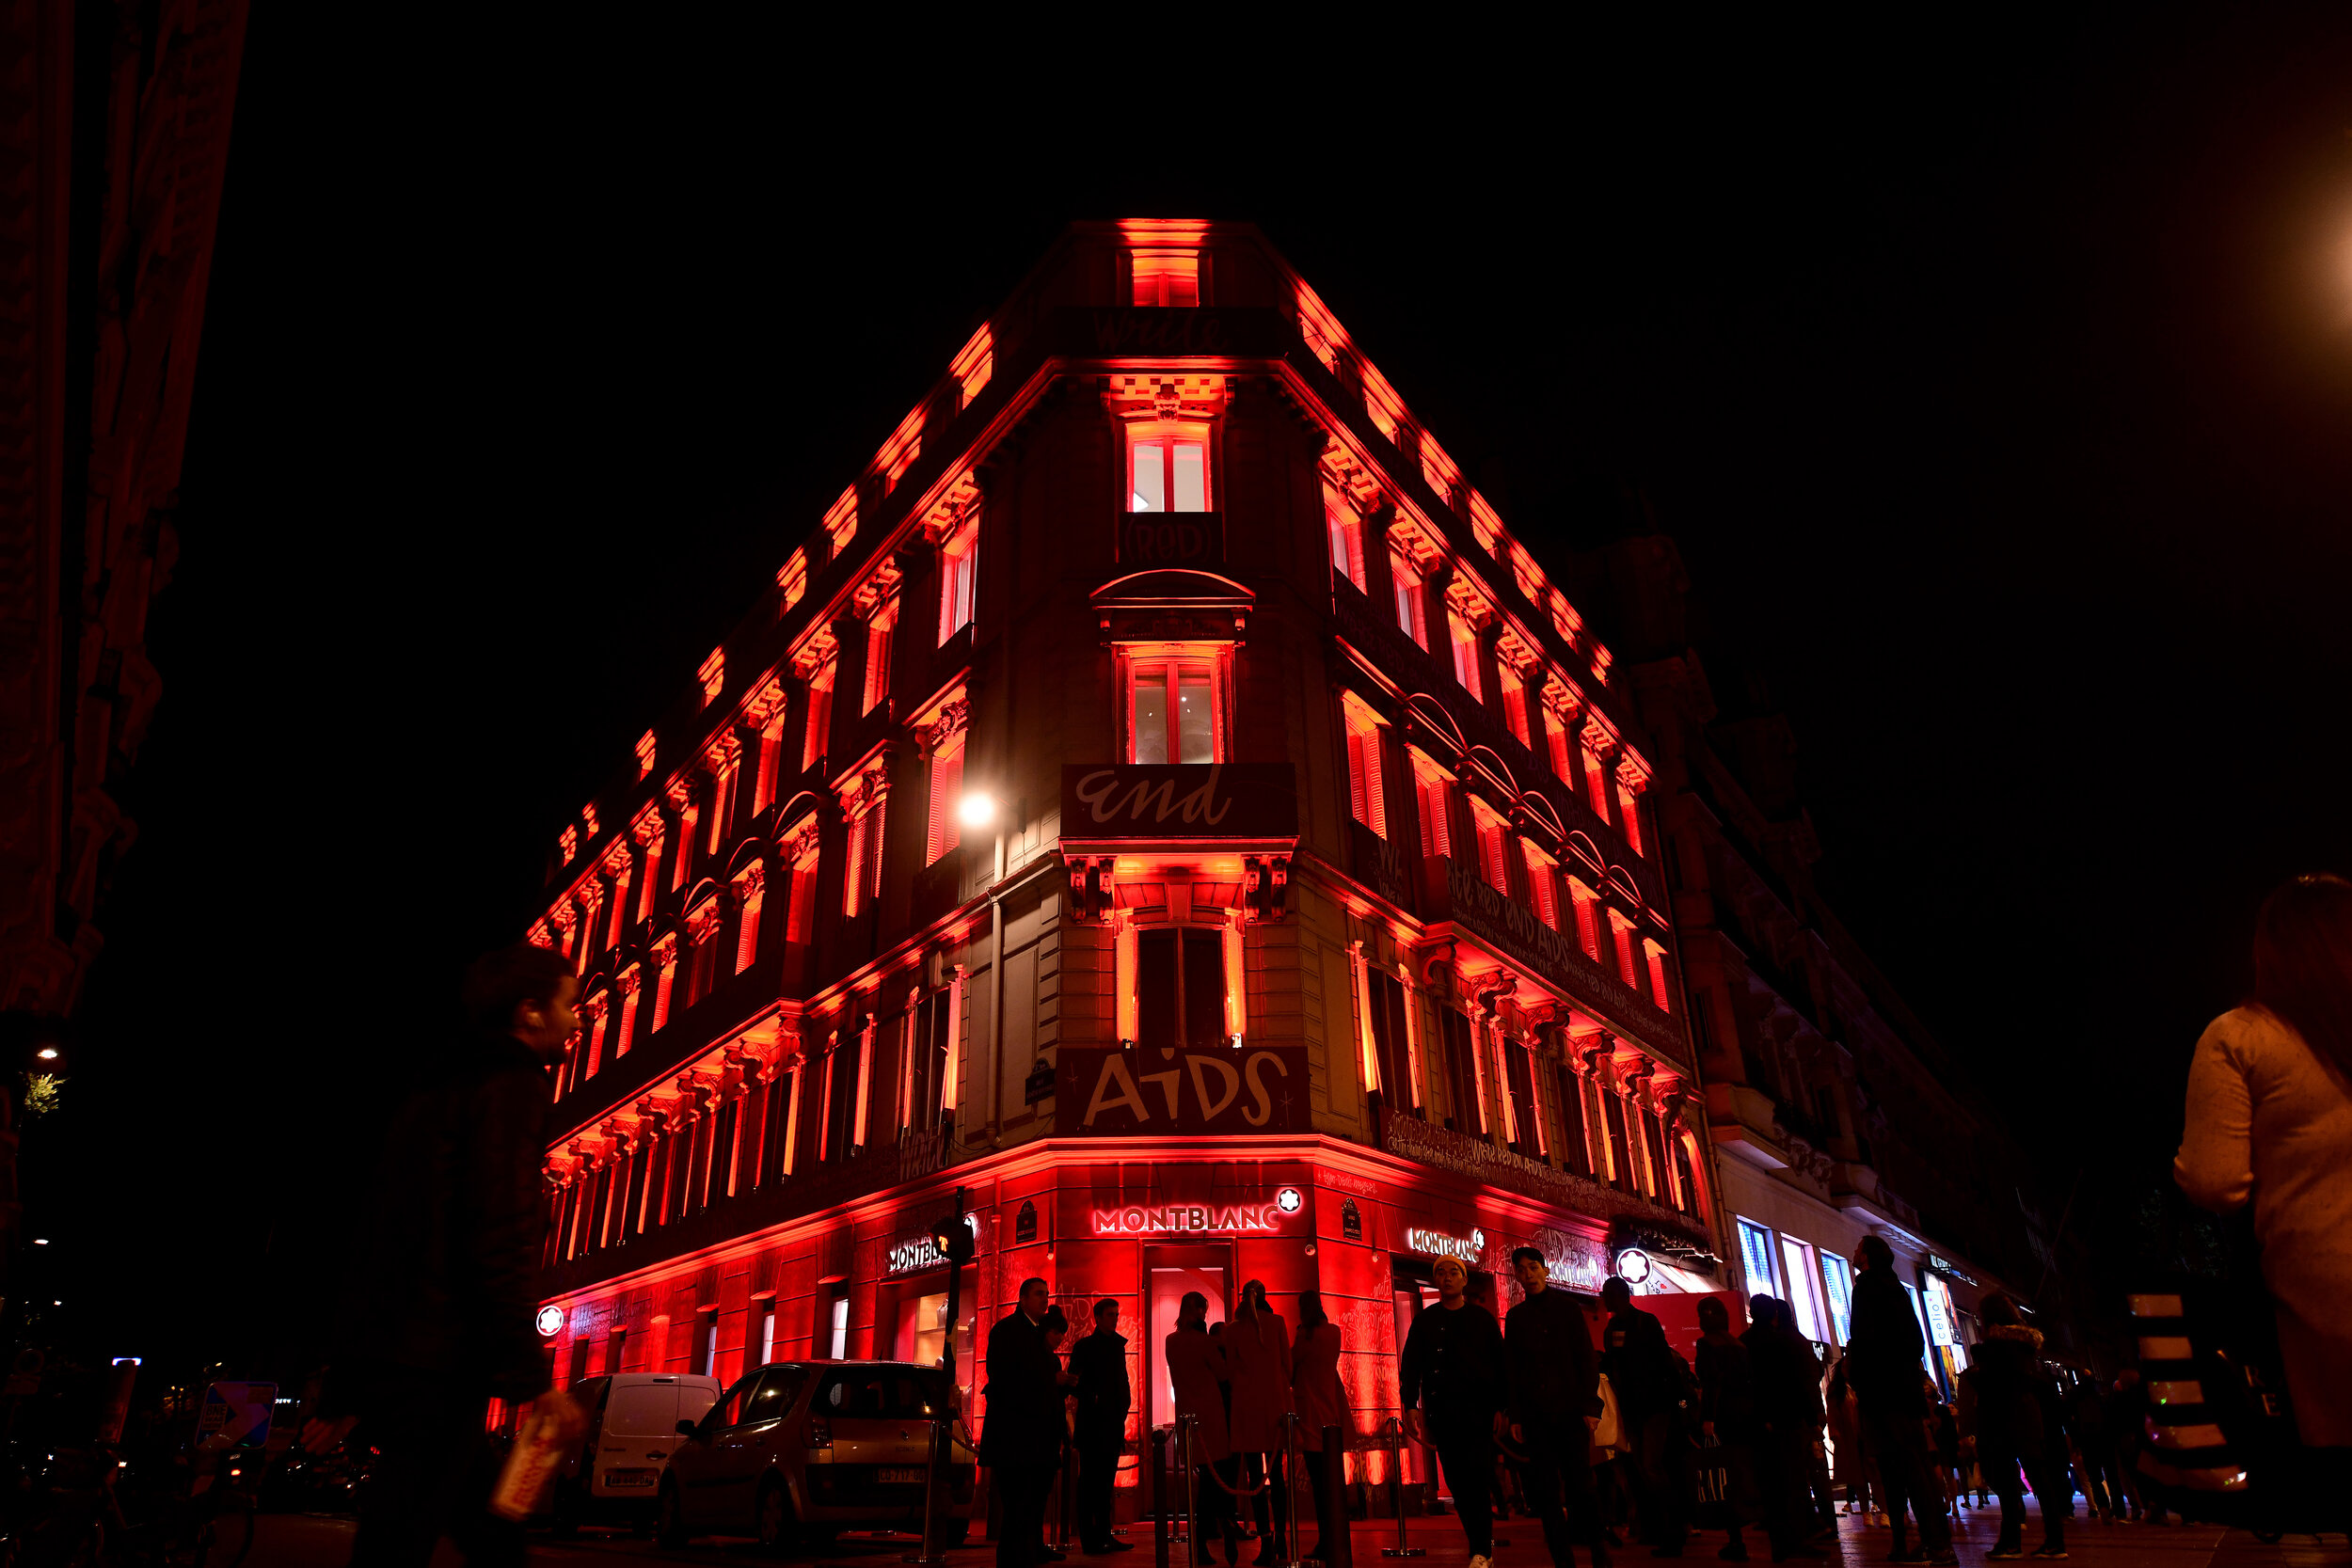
[1997,387]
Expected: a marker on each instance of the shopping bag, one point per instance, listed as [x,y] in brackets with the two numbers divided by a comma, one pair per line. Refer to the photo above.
[1608,1436]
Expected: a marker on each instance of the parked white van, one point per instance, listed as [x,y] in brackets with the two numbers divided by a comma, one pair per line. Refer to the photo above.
[632,1430]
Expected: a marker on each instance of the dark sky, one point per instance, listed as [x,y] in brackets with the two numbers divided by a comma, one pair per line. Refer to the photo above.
[1997,385]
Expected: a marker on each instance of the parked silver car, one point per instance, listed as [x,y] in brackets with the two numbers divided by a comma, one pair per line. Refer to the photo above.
[795,1451]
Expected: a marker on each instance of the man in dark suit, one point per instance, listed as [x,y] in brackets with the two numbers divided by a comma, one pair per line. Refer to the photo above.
[1104,1396]
[1552,1374]
[1023,1437]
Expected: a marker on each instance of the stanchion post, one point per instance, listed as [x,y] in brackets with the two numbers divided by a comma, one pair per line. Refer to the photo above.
[1289,1483]
[1187,1427]
[1159,1498]
[1331,1503]
[929,1556]
[1396,1494]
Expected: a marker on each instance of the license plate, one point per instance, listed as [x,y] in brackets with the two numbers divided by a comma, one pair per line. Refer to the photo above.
[629,1478]
[892,1475]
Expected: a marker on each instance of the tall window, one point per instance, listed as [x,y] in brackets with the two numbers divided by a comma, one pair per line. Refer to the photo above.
[861,866]
[1543,885]
[749,891]
[1462,1072]
[771,761]
[1519,1077]
[1563,749]
[800,909]
[943,834]
[1755,1257]
[818,719]
[1180,986]
[1587,918]
[1494,848]
[1172,711]
[1435,791]
[878,657]
[1465,638]
[1364,800]
[1629,806]
[1658,989]
[1837,1274]
[1620,1147]
[1168,472]
[1597,783]
[702,928]
[1347,536]
[1623,930]
[1576,1149]
[1411,612]
[1166,278]
[959,561]
[1514,701]
[1385,998]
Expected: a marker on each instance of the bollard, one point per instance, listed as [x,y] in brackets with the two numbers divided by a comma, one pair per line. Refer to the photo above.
[1331,1503]
[1159,1498]
[1396,1493]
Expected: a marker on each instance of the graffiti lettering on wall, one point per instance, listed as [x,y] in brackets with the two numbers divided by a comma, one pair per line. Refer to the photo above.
[1215,1090]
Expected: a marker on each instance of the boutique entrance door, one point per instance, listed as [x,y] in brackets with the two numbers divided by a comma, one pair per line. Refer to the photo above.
[1168,1273]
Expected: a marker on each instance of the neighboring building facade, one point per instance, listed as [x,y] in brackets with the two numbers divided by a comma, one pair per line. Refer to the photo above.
[1164,802]
[1835,1111]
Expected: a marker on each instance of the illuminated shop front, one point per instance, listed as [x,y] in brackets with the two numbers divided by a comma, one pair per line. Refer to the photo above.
[1163,802]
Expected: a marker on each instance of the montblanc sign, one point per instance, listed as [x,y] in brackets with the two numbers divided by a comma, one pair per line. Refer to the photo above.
[1212,800]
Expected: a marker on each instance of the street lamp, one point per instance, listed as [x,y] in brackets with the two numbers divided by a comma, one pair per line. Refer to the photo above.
[976,810]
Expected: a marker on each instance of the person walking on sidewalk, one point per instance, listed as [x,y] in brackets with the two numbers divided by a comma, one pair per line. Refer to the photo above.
[1788,1417]
[1882,1369]
[1727,1415]
[1552,1374]
[1655,1391]
[437,1316]
[1450,1385]
[2001,1407]
[1104,1397]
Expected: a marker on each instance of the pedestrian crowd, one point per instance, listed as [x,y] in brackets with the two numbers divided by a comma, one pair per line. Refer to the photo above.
[1603,1439]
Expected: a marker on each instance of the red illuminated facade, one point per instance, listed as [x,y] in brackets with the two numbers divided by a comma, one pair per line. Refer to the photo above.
[1163,799]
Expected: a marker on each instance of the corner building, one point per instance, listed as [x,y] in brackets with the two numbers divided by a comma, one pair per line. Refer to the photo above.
[1163,801]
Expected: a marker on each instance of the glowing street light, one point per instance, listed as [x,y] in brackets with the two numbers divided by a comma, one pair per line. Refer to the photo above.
[976,810]
[47,1052]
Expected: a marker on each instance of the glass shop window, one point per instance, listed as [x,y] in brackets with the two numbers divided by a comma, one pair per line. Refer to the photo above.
[1173,712]
[1180,986]
[1168,472]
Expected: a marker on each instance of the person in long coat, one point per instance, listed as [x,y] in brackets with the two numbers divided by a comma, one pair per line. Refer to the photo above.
[2001,1407]
[1321,1402]
[1196,1364]
[1258,1360]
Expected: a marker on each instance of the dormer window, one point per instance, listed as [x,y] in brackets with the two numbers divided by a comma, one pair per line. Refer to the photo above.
[1165,278]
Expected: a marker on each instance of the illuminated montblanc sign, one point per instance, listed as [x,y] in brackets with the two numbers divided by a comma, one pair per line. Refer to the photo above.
[1634,1265]
[551,1321]
[921,1252]
[1188,1219]
[1437,1243]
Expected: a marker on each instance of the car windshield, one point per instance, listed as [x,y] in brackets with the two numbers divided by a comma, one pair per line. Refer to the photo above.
[879,1393]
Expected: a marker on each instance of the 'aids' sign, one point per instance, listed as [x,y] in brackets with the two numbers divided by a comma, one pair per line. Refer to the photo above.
[1258,1089]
